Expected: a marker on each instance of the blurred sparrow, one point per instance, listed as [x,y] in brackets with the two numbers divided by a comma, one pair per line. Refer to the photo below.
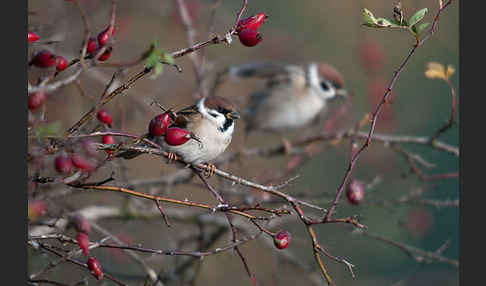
[294,96]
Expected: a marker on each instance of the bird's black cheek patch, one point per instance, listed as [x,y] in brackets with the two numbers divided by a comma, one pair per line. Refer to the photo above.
[226,125]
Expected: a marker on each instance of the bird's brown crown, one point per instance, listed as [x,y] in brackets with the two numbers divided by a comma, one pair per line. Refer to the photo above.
[331,73]
[216,102]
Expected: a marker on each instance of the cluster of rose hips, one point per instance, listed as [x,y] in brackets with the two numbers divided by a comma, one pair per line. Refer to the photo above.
[45,59]
[247,30]
[106,118]
[159,126]
[83,228]
[95,44]
[64,164]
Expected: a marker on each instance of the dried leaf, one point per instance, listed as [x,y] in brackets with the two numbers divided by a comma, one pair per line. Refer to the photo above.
[435,70]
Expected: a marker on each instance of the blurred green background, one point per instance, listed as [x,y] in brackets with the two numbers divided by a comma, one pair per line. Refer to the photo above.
[296,32]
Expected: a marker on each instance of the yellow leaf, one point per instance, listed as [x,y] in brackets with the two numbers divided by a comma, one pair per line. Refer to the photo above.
[450,71]
[435,70]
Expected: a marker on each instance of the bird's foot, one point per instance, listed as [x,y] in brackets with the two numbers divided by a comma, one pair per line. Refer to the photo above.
[171,157]
[209,170]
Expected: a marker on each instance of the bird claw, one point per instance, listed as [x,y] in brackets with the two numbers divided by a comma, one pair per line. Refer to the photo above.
[209,170]
[171,157]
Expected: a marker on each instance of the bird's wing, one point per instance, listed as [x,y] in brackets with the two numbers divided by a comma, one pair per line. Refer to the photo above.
[185,116]
[271,71]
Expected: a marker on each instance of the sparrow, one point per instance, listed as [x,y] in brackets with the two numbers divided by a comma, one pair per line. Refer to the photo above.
[293,97]
[210,123]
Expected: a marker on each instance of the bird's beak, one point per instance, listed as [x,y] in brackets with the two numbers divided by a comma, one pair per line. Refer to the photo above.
[342,93]
[232,115]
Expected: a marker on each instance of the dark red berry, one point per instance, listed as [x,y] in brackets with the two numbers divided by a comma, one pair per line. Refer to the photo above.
[106,55]
[252,22]
[83,242]
[32,37]
[62,164]
[249,37]
[281,239]
[95,268]
[80,223]
[61,63]
[176,136]
[43,59]
[107,139]
[81,163]
[105,34]
[36,99]
[104,117]
[158,124]
[36,209]
[91,46]
[355,192]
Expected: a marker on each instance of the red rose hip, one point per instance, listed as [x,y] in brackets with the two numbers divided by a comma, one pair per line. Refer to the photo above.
[355,192]
[91,46]
[158,124]
[281,239]
[104,117]
[62,164]
[105,34]
[83,242]
[43,59]
[176,136]
[36,99]
[32,37]
[252,22]
[249,37]
[95,268]
[36,209]
[105,56]
[108,139]
[61,63]
[81,163]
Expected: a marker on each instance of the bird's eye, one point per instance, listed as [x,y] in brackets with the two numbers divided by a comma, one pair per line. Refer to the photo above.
[324,85]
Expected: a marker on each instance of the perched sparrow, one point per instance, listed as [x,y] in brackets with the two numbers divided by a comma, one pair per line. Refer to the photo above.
[293,97]
[210,124]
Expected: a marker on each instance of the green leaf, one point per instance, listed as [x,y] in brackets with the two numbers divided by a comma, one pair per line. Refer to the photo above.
[368,18]
[158,69]
[422,27]
[167,58]
[419,15]
[151,60]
